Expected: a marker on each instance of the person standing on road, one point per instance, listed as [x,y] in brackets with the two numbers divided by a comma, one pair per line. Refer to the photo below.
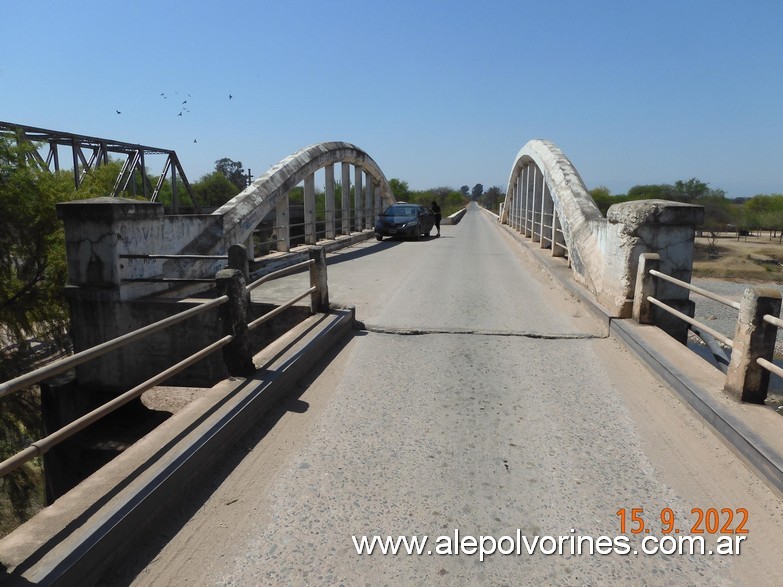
[436,213]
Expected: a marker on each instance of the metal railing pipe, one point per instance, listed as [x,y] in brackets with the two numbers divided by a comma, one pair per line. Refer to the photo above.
[62,365]
[43,445]
[698,290]
[722,338]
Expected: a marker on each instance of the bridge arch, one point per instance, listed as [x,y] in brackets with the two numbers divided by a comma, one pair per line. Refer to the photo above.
[245,211]
[131,246]
[547,201]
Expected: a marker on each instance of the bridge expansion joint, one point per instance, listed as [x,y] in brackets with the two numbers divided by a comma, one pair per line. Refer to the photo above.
[404,331]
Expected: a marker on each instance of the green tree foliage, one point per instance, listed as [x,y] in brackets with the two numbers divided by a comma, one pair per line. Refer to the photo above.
[477,190]
[232,171]
[214,189]
[400,189]
[718,210]
[763,212]
[449,199]
[603,198]
[32,307]
[465,190]
[492,197]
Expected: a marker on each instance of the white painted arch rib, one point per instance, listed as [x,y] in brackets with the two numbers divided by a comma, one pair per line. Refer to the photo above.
[576,210]
[247,209]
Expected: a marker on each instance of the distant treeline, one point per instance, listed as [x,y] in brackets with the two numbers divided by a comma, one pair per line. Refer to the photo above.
[721,214]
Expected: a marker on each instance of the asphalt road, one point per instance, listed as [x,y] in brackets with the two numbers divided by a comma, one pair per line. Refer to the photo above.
[479,399]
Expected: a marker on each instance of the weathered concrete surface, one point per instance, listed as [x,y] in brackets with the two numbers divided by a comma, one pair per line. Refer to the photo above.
[604,251]
[508,410]
[753,339]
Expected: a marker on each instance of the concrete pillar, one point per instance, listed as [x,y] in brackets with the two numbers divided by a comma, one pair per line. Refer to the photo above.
[97,231]
[250,246]
[331,231]
[515,202]
[754,338]
[345,203]
[319,299]
[368,217]
[646,285]
[309,209]
[357,198]
[525,201]
[546,215]
[535,203]
[538,232]
[282,225]
[557,234]
[237,354]
[237,259]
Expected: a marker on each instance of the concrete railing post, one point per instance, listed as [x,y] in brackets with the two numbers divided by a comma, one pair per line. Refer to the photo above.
[345,198]
[331,231]
[237,355]
[309,210]
[646,285]
[746,380]
[281,221]
[319,299]
[237,259]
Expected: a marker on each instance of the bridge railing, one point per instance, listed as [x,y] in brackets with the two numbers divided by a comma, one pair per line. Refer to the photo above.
[753,346]
[232,303]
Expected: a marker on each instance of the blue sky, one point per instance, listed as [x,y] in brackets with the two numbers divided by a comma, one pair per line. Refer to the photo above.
[438,93]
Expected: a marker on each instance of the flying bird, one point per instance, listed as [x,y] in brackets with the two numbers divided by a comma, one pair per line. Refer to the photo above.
[230,96]
[180,114]
[118,112]
[195,141]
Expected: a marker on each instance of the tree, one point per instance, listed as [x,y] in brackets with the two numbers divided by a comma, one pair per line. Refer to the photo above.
[691,190]
[214,189]
[478,189]
[400,189]
[232,171]
[465,190]
[603,198]
[492,197]
[32,307]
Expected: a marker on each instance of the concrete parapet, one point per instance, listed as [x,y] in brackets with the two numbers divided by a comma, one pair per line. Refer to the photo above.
[603,252]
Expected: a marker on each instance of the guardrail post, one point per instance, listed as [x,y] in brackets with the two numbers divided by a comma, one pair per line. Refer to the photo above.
[319,299]
[237,354]
[646,285]
[237,259]
[746,380]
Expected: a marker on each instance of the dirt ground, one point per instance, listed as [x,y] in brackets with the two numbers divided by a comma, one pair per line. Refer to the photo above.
[753,257]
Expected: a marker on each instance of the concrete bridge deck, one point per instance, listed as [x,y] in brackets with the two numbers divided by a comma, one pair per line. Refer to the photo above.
[480,398]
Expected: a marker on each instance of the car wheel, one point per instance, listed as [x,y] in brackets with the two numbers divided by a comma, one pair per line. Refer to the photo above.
[378,237]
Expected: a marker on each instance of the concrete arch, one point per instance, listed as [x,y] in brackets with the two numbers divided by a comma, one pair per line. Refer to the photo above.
[603,252]
[577,212]
[245,211]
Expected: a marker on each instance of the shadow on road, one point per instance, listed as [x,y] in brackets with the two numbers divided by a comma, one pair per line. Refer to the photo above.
[195,496]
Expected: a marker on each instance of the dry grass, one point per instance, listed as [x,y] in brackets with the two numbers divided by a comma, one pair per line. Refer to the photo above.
[755,258]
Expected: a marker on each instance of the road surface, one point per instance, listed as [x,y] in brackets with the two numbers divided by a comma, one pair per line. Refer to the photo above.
[479,400]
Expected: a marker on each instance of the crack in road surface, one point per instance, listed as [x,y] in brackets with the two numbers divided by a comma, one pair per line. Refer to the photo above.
[477,332]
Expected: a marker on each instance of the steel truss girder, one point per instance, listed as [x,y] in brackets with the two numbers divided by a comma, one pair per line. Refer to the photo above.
[97,153]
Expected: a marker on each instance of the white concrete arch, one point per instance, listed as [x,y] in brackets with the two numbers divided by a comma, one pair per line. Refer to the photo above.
[542,172]
[245,211]
[547,200]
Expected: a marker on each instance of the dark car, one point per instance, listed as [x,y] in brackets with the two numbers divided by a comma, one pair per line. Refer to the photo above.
[403,219]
